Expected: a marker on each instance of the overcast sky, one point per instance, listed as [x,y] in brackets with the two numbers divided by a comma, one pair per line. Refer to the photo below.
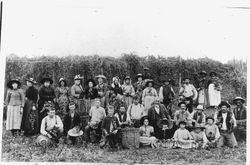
[189,28]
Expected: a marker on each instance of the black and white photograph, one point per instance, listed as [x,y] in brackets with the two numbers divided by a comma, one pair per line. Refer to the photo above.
[124,81]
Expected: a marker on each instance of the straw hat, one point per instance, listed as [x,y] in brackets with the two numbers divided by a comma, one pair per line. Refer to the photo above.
[240,99]
[75,132]
[139,75]
[78,77]
[31,80]
[100,76]
[203,72]
[224,103]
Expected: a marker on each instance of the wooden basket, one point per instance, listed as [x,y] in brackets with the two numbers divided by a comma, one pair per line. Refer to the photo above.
[130,137]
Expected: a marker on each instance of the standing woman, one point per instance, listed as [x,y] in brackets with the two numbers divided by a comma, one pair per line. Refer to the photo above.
[90,94]
[102,89]
[78,94]
[116,85]
[30,121]
[149,95]
[62,97]
[15,102]
[46,93]
[214,90]
[128,91]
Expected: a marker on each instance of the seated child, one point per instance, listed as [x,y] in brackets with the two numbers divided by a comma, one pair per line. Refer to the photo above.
[199,136]
[182,137]
[146,132]
[212,132]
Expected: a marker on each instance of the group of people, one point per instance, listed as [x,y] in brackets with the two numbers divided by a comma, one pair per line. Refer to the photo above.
[56,113]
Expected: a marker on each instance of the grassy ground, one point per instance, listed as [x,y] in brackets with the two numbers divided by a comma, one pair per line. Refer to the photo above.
[24,149]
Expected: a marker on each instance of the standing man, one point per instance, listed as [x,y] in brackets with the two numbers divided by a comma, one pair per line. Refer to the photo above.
[226,123]
[128,91]
[166,95]
[188,90]
[102,89]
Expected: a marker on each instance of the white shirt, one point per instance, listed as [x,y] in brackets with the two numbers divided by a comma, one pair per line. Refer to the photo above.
[224,125]
[49,123]
[135,111]
[97,114]
[188,91]
[157,109]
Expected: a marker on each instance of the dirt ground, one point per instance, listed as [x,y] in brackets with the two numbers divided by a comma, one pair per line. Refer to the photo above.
[24,149]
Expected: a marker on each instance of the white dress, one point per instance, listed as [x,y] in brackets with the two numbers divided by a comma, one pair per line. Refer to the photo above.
[214,95]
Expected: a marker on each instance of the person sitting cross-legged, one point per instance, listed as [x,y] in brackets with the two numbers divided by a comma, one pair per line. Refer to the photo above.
[122,116]
[97,114]
[199,136]
[212,132]
[51,128]
[182,137]
[146,133]
[111,130]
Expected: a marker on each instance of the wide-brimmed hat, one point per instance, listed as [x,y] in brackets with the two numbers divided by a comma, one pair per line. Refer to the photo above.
[213,72]
[62,79]
[78,77]
[222,103]
[203,72]
[100,76]
[209,117]
[115,78]
[164,121]
[73,103]
[91,80]
[139,75]
[145,68]
[31,80]
[73,132]
[9,84]
[198,125]
[185,78]
[200,107]
[47,79]
[182,102]
[240,99]
[149,81]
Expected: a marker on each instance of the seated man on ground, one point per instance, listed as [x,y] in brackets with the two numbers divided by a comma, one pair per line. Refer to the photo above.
[71,120]
[199,136]
[51,128]
[183,115]
[198,116]
[182,137]
[96,114]
[111,130]
[226,123]
[212,132]
[146,133]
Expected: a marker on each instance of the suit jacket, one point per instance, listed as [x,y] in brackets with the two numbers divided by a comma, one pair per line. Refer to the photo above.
[69,123]
[241,114]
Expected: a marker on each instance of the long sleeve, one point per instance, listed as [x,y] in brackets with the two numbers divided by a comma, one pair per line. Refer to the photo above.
[217,133]
[42,129]
[129,112]
[175,137]
[117,116]
[161,94]
[59,123]
[155,92]
[73,92]
[189,135]
[195,93]
[234,120]
[22,97]
[132,90]
[172,91]
[7,99]
[143,95]
[175,118]
[204,137]
[57,92]
[181,91]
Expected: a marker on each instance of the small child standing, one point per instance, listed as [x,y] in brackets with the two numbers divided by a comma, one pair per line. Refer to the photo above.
[199,136]
[212,132]
[182,137]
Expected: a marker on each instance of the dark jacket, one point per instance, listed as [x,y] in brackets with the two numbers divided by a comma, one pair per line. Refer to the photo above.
[241,114]
[155,118]
[32,94]
[228,120]
[70,123]
[91,93]
[107,122]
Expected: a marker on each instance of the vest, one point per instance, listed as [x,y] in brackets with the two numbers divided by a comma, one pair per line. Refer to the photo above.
[166,92]
[228,123]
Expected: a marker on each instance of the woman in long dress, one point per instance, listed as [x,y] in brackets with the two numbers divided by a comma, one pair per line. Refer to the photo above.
[30,121]
[146,132]
[15,102]
[46,94]
[214,90]
[62,97]
[77,93]
[148,96]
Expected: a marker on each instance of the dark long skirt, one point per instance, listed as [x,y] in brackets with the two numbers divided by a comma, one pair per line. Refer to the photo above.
[30,120]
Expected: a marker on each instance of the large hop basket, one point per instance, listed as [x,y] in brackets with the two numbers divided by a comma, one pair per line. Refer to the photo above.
[130,137]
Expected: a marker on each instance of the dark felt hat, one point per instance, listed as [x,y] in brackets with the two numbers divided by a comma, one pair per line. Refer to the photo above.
[182,122]
[209,117]
[224,103]
[182,102]
[185,78]
[203,72]
[143,118]
[9,84]
[91,80]
[47,79]
[212,73]
[31,80]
